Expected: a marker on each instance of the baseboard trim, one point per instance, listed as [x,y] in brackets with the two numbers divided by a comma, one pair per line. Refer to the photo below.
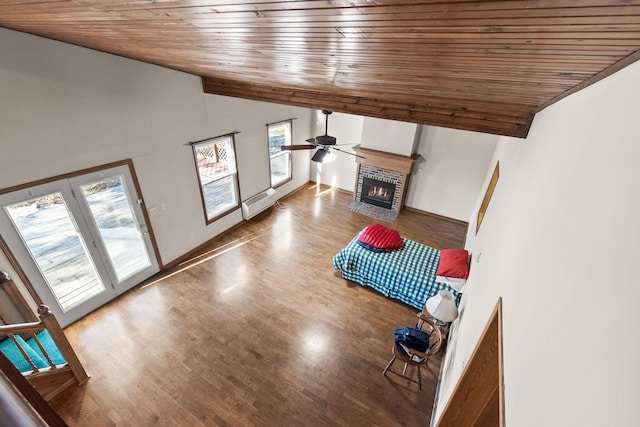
[409,208]
[445,218]
[432,420]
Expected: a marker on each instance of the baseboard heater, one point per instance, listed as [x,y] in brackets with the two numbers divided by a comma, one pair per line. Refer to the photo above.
[258,203]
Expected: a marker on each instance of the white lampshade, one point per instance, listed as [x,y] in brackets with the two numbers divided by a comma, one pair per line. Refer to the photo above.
[442,307]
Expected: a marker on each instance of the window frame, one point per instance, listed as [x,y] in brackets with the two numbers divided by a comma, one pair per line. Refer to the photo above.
[230,139]
[287,153]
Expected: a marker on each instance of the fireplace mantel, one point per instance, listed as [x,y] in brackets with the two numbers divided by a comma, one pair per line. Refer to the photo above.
[387,167]
[380,159]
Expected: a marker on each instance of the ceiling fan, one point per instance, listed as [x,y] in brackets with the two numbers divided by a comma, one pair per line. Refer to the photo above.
[324,143]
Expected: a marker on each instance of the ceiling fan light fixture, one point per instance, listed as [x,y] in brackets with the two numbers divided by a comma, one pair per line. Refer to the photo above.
[323,155]
[330,157]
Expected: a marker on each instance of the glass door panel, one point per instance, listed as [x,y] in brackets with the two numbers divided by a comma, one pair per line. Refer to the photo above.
[109,203]
[61,257]
[112,212]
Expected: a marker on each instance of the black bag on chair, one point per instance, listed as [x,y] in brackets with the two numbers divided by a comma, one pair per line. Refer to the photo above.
[413,338]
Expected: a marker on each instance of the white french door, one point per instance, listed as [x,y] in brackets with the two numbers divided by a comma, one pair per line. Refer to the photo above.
[81,241]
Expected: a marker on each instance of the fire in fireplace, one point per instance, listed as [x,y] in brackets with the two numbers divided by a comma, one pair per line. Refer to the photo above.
[378,193]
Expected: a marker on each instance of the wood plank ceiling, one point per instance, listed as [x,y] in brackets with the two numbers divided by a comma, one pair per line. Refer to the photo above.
[486,66]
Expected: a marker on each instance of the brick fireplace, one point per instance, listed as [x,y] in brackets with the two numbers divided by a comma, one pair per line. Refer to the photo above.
[382,178]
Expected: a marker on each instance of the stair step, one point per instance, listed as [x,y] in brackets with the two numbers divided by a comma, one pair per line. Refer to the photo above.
[30,347]
[50,347]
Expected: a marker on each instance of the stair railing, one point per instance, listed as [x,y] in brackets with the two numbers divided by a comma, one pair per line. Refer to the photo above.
[61,341]
[53,379]
[47,321]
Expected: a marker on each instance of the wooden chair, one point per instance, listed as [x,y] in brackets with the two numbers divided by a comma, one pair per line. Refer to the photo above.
[417,358]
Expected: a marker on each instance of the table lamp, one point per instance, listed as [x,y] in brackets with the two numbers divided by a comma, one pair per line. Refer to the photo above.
[442,307]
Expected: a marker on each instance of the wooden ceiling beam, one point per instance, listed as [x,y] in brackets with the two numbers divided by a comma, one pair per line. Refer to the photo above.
[335,7]
[447,104]
[373,107]
[470,64]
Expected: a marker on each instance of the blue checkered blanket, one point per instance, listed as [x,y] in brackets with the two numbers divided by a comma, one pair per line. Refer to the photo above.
[408,274]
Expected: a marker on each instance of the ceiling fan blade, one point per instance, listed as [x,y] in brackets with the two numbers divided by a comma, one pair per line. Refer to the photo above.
[346,152]
[297,147]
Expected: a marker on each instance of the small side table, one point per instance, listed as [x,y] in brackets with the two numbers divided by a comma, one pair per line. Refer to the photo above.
[423,316]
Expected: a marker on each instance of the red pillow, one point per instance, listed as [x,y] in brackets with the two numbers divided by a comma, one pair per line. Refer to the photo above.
[381,237]
[454,263]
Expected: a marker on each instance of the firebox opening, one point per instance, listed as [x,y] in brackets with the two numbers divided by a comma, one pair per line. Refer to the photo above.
[378,193]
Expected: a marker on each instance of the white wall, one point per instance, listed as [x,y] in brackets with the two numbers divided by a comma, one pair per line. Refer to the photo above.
[64,108]
[449,173]
[559,244]
[388,135]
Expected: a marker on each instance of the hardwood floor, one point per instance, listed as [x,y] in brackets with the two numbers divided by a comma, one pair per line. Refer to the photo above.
[257,331]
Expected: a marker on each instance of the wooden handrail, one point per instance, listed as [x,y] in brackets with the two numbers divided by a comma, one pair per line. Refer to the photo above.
[19,328]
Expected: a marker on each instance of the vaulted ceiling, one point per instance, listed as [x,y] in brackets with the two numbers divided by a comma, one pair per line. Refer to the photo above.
[486,66]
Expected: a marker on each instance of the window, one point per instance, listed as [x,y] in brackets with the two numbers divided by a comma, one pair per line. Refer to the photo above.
[487,196]
[280,161]
[217,173]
